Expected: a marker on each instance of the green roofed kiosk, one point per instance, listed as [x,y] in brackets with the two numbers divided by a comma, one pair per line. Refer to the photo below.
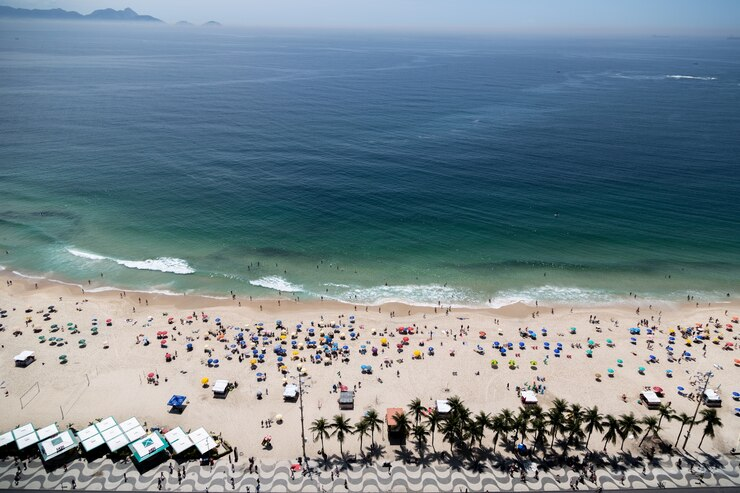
[147,447]
[57,446]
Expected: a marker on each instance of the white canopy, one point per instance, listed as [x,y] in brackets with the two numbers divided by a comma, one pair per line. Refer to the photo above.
[24,355]
[48,431]
[291,391]
[129,424]
[135,433]
[27,440]
[93,442]
[87,433]
[112,433]
[181,445]
[57,445]
[6,438]
[22,431]
[443,406]
[711,395]
[205,445]
[118,442]
[175,434]
[220,386]
[198,435]
[650,397]
[105,424]
[529,397]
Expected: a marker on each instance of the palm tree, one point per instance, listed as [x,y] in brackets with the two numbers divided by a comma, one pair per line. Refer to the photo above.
[556,417]
[374,422]
[665,411]
[417,409]
[320,429]
[574,428]
[685,419]
[481,422]
[652,425]
[503,424]
[628,425]
[340,427]
[420,436]
[711,421]
[539,428]
[403,424]
[362,428]
[611,424]
[593,420]
[521,425]
[433,421]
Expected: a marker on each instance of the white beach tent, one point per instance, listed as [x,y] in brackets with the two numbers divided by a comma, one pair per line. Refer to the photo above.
[93,442]
[105,424]
[129,424]
[47,432]
[57,445]
[25,436]
[529,397]
[290,392]
[117,442]
[6,438]
[220,387]
[25,358]
[178,440]
[443,406]
[202,440]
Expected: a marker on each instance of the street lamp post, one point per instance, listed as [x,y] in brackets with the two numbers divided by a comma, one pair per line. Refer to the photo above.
[303,429]
[707,376]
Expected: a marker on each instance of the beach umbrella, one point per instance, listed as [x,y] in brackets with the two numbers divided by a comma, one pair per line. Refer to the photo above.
[383,341]
[494,362]
[641,370]
[546,345]
[653,357]
[598,376]
[417,354]
[150,375]
[496,344]
[589,353]
[620,362]
[610,371]
[482,334]
[177,400]
[658,390]
[253,361]
[204,380]
[533,363]
[521,345]
[669,373]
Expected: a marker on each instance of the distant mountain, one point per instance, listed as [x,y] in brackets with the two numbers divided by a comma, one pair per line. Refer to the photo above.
[212,24]
[99,15]
[184,23]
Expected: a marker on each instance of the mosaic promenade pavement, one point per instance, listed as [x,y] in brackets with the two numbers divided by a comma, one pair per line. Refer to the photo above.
[276,476]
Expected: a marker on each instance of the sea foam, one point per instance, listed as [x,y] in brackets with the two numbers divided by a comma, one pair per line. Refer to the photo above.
[160,264]
[552,294]
[410,294]
[277,283]
[690,77]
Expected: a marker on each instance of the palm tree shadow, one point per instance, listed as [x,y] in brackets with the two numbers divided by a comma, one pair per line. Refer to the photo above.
[405,455]
[711,461]
[374,451]
[629,459]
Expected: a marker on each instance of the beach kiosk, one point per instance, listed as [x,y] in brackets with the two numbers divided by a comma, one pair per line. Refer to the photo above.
[24,359]
[529,398]
[55,449]
[147,448]
[346,400]
[651,399]
[220,389]
[202,441]
[290,393]
[25,436]
[178,440]
[712,398]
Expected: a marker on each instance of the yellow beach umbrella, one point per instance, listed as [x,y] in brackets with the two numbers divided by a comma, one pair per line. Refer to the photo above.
[384,341]
[253,361]
[417,354]
[204,380]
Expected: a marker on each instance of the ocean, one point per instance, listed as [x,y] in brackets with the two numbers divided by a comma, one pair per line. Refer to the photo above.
[370,167]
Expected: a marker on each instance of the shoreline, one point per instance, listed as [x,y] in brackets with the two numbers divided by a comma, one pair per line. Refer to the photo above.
[215,300]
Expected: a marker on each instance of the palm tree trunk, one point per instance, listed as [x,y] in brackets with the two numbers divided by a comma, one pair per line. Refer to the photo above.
[702,440]
[679,434]
[644,437]
[588,439]
[621,447]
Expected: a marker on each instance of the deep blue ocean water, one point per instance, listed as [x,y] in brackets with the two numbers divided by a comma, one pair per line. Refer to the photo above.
[370,166]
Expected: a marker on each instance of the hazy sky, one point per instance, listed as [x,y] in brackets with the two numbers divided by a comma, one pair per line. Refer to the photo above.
[718,17]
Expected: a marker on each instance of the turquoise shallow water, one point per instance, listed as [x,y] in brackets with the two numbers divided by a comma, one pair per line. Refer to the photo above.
[370,167]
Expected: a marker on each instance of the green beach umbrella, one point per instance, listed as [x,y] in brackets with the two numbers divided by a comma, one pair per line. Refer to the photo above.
[620,362]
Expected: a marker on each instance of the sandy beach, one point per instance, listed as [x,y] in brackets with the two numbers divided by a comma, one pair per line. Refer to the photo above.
[109,375]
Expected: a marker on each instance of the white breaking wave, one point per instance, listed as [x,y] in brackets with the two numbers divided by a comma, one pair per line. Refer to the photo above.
[2,267]
[19,274]
[694,77]
[160,264]
[410,294]
[277,283]
[553,294]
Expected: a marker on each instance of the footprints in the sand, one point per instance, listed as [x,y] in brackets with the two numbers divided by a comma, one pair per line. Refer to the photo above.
[275,476]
